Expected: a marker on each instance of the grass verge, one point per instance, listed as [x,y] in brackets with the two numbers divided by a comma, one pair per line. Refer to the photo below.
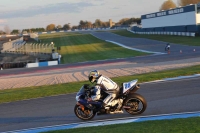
[191,41]
[11,95]
[188,125]
[76,47]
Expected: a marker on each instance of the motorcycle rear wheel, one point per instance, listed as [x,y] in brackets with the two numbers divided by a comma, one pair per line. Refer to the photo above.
[137,104]
[87,114]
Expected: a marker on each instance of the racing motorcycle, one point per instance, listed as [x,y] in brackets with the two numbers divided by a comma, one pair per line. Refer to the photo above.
[128,100]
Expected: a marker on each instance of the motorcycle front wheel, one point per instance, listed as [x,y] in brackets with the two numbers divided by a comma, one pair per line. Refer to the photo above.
[136,103]
[85,114]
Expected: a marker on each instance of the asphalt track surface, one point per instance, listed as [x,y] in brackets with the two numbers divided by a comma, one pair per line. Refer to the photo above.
[163,97]
[144,44]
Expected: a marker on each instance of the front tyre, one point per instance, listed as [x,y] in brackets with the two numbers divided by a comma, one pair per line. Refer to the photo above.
[136,103]
[85,114]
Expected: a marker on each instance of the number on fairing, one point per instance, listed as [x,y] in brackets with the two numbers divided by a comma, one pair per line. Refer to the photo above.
[127,85]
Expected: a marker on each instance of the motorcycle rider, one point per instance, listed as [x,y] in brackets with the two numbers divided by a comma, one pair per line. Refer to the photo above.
[108,86]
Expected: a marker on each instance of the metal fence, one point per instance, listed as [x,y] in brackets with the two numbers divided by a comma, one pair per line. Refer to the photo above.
[27,48]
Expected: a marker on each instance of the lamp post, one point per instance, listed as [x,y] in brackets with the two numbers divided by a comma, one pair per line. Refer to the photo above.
[52,46]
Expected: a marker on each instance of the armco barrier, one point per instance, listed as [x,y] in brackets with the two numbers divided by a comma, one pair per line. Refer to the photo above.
[41,64]
[166,33]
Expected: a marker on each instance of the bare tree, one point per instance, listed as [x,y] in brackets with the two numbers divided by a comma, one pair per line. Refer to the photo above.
[85,24]
[66,26]
[88,24]
[7,29]
[74,27]
[98,23]
[2,32]
[15,31]
[167,5]
[123,21]
[59,27]
[187,2]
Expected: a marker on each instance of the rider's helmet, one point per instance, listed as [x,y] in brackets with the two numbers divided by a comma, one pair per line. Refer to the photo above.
[93,76]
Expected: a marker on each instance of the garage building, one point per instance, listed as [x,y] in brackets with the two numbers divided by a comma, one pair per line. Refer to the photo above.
[181,19]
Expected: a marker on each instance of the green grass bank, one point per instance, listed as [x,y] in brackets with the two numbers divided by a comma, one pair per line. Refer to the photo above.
[11,95]
[76,47]
[191,41]
[188,125]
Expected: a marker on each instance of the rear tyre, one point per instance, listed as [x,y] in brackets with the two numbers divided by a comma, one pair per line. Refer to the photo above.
[85,114]
[137,104]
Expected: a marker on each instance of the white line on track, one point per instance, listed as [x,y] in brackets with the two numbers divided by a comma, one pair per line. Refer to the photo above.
[124,46]
[134,48]
[174,78]
[109,122]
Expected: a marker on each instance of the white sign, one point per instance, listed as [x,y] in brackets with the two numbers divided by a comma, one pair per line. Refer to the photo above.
[176,11]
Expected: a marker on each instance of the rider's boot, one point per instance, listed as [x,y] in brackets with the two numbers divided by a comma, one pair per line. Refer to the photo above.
[117,111]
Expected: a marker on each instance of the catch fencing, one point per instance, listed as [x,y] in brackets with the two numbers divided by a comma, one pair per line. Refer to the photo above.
[21,47]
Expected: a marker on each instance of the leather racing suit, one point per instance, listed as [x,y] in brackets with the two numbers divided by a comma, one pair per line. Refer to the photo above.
[108,86]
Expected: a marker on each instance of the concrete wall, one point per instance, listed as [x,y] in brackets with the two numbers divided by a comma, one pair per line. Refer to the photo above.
[164,33]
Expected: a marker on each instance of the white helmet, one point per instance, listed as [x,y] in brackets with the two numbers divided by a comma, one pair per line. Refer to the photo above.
[93,76]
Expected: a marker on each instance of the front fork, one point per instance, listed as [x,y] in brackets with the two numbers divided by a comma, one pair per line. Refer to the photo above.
[82,107]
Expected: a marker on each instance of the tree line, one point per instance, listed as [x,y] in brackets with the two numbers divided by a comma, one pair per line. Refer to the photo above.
[82,25]
[170,4]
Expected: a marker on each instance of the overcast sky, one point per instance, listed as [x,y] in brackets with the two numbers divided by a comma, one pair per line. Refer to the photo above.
[22,14]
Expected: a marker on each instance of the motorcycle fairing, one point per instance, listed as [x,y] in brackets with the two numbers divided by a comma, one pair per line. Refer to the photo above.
[129,85]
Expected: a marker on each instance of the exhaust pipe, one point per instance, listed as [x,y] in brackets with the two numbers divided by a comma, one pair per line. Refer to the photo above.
[137,86]
[126,107]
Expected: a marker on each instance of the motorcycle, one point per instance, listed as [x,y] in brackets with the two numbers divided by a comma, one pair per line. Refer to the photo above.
[127,99]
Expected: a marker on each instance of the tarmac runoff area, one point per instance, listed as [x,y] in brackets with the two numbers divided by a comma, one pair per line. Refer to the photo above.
[108,122]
